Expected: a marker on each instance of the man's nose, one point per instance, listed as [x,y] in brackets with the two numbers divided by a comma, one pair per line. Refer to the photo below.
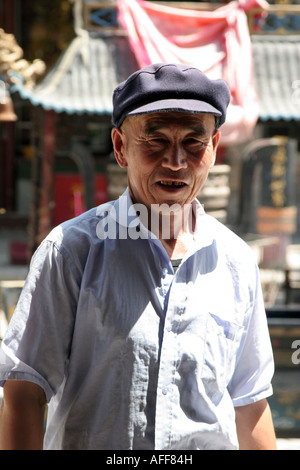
[175,158]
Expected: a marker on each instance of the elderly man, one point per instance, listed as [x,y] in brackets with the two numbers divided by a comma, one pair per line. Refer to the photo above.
[142,323]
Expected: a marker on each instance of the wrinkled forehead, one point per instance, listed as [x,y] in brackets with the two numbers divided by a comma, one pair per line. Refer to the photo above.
[201,123]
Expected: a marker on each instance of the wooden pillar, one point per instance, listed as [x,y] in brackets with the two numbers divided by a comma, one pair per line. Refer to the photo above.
[47,175]
[9,167]
[6,166]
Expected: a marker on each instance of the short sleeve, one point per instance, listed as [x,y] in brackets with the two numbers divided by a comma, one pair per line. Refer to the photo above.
[38,339]
[254,369]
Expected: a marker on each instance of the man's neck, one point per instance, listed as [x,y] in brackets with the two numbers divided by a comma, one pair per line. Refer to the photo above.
[174,230]
[177,248]
[173,225]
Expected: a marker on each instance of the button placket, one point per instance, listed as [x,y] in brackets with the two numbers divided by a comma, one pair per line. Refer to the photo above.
[167,395]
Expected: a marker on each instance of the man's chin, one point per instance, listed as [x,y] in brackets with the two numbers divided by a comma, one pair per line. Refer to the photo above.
[170,206]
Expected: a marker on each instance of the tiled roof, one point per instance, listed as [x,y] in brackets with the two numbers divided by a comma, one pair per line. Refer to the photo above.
[276,64]
[83,79]
[85,76]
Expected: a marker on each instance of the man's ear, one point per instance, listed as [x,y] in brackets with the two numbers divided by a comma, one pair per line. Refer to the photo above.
[118,140]
[215,142]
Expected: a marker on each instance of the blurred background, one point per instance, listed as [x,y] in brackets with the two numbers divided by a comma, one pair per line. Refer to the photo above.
[59,63]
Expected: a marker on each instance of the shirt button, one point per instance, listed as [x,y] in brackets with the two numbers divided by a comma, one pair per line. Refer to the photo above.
[164,391]
[169,328]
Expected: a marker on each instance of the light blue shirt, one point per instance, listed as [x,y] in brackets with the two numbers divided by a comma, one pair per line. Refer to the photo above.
[131,355]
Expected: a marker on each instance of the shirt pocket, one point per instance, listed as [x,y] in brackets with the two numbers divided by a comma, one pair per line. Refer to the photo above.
[222,341]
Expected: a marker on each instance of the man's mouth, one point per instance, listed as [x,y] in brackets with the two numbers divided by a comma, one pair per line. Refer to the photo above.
[171,184]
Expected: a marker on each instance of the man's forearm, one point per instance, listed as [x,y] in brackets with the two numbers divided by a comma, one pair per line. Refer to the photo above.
[255,427]
[21,421]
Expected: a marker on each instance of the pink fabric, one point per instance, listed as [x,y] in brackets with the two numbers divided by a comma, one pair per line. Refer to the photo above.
[217,42]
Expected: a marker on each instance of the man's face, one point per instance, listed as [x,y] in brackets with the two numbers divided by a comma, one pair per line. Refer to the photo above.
[168,155]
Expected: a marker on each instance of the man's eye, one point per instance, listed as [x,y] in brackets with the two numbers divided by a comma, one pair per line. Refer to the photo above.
[195,142]
[158,141]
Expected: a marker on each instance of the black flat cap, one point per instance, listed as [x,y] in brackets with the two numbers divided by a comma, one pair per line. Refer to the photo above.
[170,87]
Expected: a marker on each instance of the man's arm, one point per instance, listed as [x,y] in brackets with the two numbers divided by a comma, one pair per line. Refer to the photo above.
[22,416]
[255,426]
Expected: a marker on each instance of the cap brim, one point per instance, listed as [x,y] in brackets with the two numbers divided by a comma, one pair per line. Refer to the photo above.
[189,106]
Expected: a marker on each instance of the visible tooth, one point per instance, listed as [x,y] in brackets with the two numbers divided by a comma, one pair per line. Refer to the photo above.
[170,183]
